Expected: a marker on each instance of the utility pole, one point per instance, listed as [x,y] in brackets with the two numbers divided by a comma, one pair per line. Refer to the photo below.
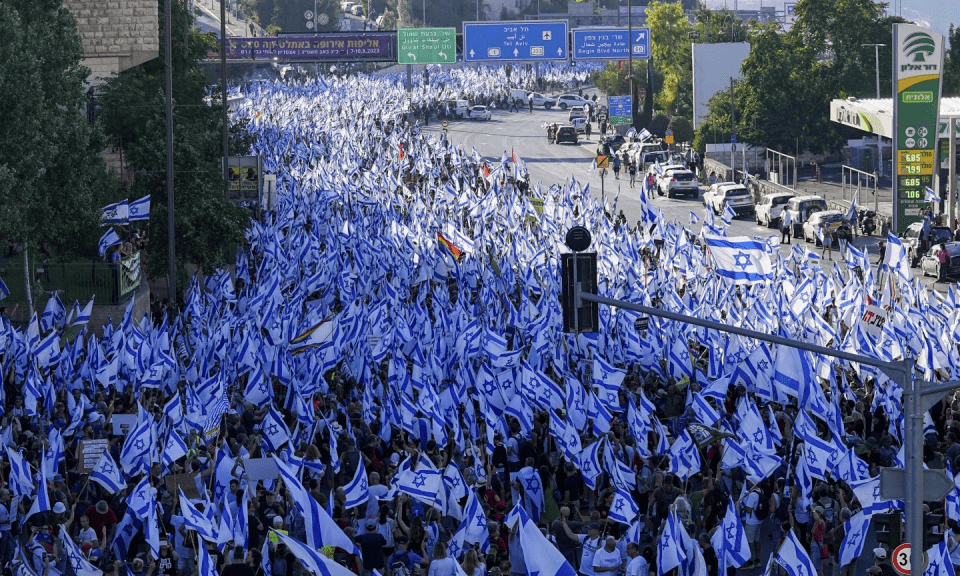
[168,48]
[733,130]
[223,88]
[630,59]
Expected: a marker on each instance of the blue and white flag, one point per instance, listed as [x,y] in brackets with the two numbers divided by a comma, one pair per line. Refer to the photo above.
[83,317]
[929,195]
[423,484]
[793,558]
[624,509]
[739,258]
[539,555]
[4,291]
[140,209]
[938,561]
[21,480]
[644,135]
[139,448]
[110,238]
[313,561]
[107,474]
[730,540]
[75,558]
[53,314]
[357,492]
[473,528]
[206,566]
[275,431]
[855,530]
[42,502]
[195,520]
[117,213]
[670,553]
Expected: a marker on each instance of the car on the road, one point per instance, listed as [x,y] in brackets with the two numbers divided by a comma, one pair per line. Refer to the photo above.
[613,143]
[567,134]
[771,206]
[576,112]
[570,100]
[651,158]
[911,240]
[579,123]
[678,180]
[480,113]
[930,262]
[357,10]
[820,224]
[664,170]
[800,208]
[722,194]
[459,108]
[545,101]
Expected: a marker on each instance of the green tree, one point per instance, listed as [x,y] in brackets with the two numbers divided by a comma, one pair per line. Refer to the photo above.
[658,124]
[682,129]
[951,70]
[53,180]
[207,226]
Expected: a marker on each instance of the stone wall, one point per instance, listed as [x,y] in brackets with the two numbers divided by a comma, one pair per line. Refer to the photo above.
[116,34]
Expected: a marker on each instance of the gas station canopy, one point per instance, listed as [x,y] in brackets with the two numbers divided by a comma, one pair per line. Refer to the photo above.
[876,115]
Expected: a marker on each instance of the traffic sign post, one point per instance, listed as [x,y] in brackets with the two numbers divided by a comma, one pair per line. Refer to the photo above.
[621,108]
[426,45]
[936,484]
[901,559]
[506,41]
[610,43]
[669,137]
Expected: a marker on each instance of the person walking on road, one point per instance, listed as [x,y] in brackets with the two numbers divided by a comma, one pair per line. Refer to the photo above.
[633,173]
[616,167]
[827,243]
[943,257]
[786,226]
[651,186]
[530,101]
[588,130]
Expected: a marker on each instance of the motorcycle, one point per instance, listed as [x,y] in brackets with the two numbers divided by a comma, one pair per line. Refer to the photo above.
[868,222]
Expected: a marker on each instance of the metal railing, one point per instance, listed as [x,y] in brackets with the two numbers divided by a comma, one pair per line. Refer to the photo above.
[846,181]
[775,167]
[73,281]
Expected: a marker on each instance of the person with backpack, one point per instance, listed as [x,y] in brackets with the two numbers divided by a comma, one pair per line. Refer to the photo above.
[750,506]
[403,562]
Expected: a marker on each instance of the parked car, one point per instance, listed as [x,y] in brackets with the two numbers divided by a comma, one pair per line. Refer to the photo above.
[651,158]
[800,208]
[721,194]
[570,100]
[820,224]
[771,206]
[480,113]
[579,123]
[613,143]
[576,112]
[357,10]
[911,240]
[676,179]
[459,108]
[930,262]
[545,101]
[567,134]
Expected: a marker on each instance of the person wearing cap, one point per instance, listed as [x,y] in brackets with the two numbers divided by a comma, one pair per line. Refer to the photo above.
[102,518]
[403,562]
[591,544]
[880,561]
[371,545]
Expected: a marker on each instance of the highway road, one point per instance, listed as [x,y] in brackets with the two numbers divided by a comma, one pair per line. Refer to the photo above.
[555,163]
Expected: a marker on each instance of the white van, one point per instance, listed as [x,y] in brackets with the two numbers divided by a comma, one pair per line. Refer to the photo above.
[518,94]
[459,108]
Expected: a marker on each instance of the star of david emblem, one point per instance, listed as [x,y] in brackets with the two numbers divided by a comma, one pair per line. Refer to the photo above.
[618,506]
[481,522]
[454,548]
[731,533]
[75,558]
[763,365]
[219,492]
[876,492]
[758,436]
[612,397]
[934,567]
[861,468]
[741,260]
[852,539]
[363,484]
[489,387]
[262,388]
[455,482]
[138,444]
[107,469]
[419,481]
[128,530]
[804,296]
[683,354]
[813,457]
[888,343]
[272,429]
[532,485]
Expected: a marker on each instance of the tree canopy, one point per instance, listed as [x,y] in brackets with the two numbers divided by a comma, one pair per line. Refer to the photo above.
[207,226]
[53,178]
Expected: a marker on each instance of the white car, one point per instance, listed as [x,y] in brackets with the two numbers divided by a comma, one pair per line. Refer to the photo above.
[480,113]
[576,112]
[570,100]
[723,194]
[771,206]
[663,176]
[680,181]
[580,124]
[545,101]
[826,220]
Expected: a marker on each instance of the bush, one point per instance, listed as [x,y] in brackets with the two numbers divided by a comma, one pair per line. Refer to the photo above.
[682,129]
[658,125]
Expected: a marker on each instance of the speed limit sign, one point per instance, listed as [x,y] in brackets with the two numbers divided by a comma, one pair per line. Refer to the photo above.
[901,559]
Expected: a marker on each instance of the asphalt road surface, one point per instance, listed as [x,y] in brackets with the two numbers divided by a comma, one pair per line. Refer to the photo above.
[549,164]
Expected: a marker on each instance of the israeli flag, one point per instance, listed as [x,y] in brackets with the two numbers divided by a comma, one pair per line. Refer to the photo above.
[109,239]
[107,474]
[539,555]
[118,213]
[856,529]
[357,492]
[930,195]
[140,209]
[793,558]
[644,135]
[730,540]
[740,259]
[315,562]
[624,508]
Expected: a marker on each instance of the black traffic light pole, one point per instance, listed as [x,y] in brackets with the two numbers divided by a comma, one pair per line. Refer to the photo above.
[919,396]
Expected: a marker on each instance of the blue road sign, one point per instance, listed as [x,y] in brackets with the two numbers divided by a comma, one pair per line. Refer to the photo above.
[505,41]
[620,106]
[733,139]
[610,43]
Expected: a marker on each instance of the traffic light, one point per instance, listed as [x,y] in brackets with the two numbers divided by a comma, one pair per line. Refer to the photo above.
[586,318]
[508,72]
[889,529]
[932,531]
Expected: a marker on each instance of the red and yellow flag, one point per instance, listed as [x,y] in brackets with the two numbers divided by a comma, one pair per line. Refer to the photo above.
[454,251]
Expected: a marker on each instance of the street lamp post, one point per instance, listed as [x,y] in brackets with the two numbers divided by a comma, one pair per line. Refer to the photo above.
[876,48]
[630,57]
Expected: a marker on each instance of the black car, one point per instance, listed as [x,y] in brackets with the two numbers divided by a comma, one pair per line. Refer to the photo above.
[567,134]
[613,143]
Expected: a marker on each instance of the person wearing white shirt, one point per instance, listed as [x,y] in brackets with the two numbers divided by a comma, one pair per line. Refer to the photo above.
[637,565]
[591,544]
[607,559]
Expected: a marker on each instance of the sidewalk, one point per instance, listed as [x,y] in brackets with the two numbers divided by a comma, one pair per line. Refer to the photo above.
[235,28]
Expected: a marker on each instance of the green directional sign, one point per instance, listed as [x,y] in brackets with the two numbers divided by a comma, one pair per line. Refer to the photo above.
[426,45]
